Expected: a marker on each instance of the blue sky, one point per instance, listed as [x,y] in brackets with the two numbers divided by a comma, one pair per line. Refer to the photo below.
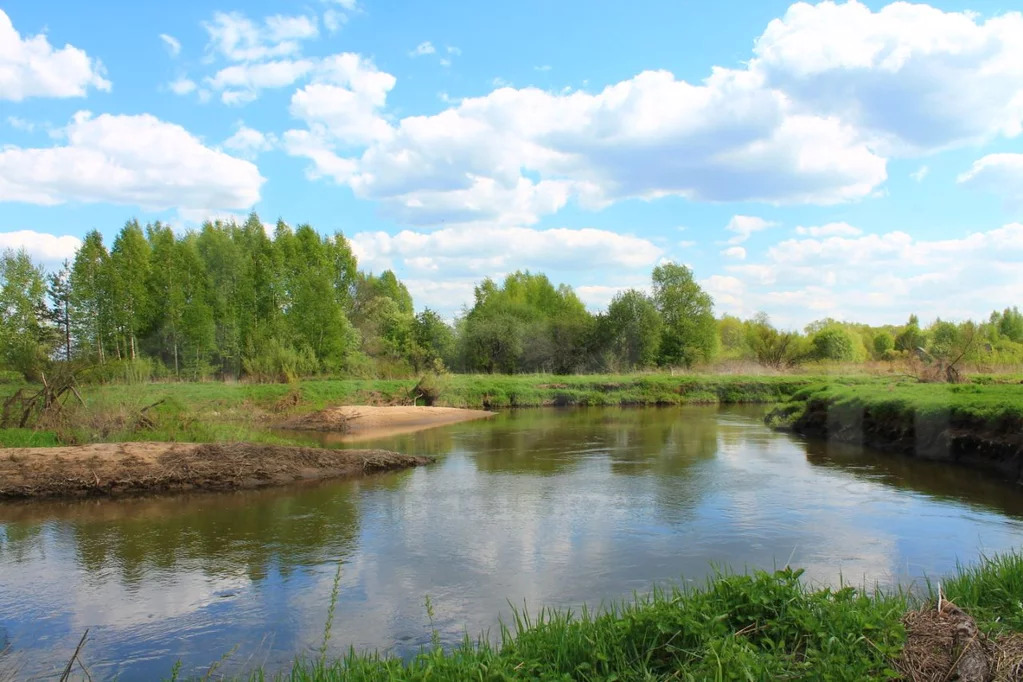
[854,160]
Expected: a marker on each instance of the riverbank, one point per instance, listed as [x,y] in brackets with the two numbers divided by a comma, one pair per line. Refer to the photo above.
[366,422]
[117,469]
[758,627]
[975,425]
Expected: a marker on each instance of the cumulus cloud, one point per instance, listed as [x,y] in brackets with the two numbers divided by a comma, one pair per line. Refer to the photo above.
[31,67]
[42,247]
[920,173]
[651,136]
[998,173]
[881,277]
[134,160]
[484,250]
[913,77]
[241,83]
[182,86]
[238,38]
[830,230]
[745,225]
[248,142]
[831,92]
[737,252]
[172,44]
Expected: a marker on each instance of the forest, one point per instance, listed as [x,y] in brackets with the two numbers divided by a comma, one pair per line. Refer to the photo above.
[230,301]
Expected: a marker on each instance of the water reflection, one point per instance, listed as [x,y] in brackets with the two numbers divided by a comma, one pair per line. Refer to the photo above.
[537,507]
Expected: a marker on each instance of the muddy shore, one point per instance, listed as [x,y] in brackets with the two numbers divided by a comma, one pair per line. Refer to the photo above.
[118,469]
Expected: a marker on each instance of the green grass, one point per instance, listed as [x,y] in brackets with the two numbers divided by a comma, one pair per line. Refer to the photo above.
[27,438]
[763,626]
[219,411]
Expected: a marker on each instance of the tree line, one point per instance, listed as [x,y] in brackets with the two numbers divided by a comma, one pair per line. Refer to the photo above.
[231,301]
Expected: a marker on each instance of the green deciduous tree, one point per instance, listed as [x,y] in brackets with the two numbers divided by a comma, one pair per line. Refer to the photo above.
[689,334]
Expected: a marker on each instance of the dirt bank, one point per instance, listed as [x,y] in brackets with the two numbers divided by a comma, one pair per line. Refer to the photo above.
[993,445]
[137,468]
[365,422]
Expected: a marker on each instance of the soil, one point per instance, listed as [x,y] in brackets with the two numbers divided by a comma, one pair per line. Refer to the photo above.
[114,469]
[995,446]
[365,422]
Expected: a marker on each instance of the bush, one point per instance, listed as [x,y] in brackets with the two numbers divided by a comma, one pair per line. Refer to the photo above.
[833,344]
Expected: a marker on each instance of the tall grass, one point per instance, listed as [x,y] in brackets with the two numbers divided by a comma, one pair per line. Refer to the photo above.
[762,626]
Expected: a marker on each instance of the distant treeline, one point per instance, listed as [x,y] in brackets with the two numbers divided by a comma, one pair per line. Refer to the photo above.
[229,301]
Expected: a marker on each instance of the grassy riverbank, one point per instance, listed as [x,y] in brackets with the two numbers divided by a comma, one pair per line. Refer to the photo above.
[734,627]
[212,412]
[977,424]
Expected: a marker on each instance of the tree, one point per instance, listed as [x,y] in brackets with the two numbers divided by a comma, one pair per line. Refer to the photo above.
[130,263]
[91,296]
[770,346]
[59,291]
[25,340]
[434,341]
[1010,324]
[689,334]
[631,330]
[833,343]
[910,339]
[884,343]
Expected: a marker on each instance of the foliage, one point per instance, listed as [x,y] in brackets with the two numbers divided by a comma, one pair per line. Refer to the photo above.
[833,343]
[772,347]
[630,331]
[758,626]
[689,332]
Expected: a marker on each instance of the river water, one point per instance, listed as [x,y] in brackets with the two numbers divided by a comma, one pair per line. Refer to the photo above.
[536,507]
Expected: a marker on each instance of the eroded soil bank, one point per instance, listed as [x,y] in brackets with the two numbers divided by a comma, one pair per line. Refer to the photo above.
[112,469]
[993,444]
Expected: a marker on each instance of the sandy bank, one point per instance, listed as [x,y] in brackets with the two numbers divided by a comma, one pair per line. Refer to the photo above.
[138,468]
[365,422]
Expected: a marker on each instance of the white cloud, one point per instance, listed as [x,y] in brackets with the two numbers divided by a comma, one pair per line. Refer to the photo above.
[484,250]
[135,160]
[248,142]
[334,20]
[920,173]
[423,48]
[182,86]
[745,225]
[173,44]
[998,173]
[831,92]
[342,105]
[830,230]
[19,123]
[31,67]
[735,252]
[647,137]
[239,39]
[280,28]
[42,247]
[911,76]
[240,83]
[881,277]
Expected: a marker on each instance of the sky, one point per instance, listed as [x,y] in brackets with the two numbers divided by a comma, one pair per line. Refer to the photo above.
[861,161]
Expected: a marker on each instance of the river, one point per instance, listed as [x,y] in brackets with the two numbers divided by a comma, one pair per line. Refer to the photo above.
[534,507]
